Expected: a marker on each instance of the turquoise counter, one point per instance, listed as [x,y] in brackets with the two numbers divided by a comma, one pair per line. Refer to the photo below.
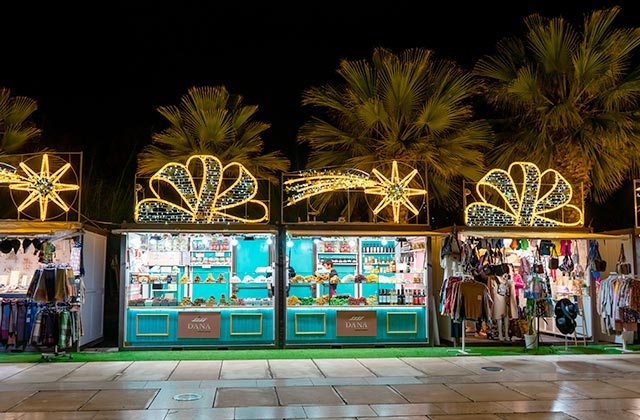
[309,325]
[159,326]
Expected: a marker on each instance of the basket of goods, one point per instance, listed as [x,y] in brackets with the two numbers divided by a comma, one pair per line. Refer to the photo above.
[322,300]
[338,301]
[211,301]
[197,279]
[199,301]
[184,279]
[293,300]
[209,278]
[186,301]
[297,279]
[223,300]
[372,278]
[322,277]
[334,280]
[233,299]
[359,278]
[221,278]
[360,301]
[372,300]
[307,301]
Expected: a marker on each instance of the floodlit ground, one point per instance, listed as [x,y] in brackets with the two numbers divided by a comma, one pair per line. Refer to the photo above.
[546,387]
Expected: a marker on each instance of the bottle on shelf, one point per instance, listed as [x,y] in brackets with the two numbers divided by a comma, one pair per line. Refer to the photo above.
[402,296]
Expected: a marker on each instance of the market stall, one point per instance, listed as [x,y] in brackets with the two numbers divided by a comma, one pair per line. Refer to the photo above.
[620,250]
[352,282]
[524,245]
[199,264]
[45,233]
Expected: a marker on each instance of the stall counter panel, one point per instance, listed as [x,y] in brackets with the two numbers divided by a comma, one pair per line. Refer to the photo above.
[176,326]
[355,324]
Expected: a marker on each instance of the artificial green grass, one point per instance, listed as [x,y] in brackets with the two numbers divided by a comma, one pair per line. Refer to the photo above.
[304,353]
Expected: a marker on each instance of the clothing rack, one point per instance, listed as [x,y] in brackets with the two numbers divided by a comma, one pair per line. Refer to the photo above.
[58,325]
[463,351]
[623,348]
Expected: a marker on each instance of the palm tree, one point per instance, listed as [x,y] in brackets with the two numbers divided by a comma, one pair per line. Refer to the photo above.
[568,99]
[410,107]
[209,120]
[15,127]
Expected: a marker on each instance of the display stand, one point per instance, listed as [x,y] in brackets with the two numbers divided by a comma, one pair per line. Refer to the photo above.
[46,356]
[623,348]
[462,351]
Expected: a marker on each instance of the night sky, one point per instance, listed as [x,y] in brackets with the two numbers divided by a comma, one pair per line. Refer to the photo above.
[98,79]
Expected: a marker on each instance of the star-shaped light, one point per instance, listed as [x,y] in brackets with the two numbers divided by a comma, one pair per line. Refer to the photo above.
[395,191]
[43,187]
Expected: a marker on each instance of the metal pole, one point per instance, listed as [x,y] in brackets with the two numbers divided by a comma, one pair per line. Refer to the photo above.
[280,308]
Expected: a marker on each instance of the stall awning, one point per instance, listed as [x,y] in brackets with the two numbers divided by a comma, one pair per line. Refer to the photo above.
[194,228]
[533,233]
[360,229]
[36,228]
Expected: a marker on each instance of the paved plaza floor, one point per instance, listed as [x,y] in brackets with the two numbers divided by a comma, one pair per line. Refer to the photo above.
[535,387]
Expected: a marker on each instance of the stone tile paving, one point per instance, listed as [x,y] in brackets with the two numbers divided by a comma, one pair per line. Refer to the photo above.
[552,387]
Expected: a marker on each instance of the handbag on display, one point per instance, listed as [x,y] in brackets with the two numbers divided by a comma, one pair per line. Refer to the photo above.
[538,268]
[487,261]
[545,247]
[596,263]
[623,267]
[501,268]
[567,264]
[578,268]
[525,267]
[451,248]
[554,261]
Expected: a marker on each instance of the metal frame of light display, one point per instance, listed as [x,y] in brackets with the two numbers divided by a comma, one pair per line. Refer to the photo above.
[636,196]
[522,204]
[207,203]
[395,191]
[42,185]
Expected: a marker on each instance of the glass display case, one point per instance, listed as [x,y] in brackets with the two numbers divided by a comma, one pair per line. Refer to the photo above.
[357,289]
[198,289]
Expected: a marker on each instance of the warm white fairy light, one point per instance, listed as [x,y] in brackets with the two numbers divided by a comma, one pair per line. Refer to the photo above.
[395,191]
[43,187]
[206,203]
[522,206]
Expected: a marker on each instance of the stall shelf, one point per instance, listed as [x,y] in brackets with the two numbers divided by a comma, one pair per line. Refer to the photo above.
[382,290]
[197,285]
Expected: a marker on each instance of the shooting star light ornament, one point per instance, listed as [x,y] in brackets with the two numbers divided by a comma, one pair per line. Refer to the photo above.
[395,191]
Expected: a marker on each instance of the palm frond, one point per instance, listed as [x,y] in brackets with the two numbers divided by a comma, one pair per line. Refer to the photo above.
[209,120]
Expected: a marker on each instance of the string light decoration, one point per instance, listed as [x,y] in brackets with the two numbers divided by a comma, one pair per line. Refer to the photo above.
[522,206]
[318,181]
[207,203]
[8,174]
[395,191]
[42,186]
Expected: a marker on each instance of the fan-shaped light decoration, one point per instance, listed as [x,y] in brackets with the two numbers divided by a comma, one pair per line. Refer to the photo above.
[523,206]
[42,186]
[394,190]
[206,203]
